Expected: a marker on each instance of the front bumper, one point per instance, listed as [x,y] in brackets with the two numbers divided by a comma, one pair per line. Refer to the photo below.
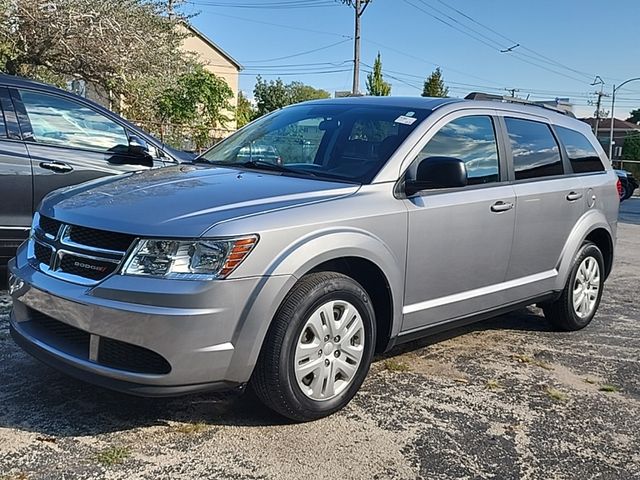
[145,336]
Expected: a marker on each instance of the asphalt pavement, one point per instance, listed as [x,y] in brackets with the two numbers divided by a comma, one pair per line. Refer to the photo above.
[507,398]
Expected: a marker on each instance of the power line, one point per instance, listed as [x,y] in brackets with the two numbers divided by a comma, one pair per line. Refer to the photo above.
[307,52]
[274,5]
[511,41]
[485,40]
[280,25]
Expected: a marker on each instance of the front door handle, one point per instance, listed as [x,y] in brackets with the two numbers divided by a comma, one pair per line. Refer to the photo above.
[573,196]
[501,206]
[58,167]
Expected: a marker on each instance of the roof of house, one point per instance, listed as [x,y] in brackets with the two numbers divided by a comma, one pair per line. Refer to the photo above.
[605,123]
[213,45]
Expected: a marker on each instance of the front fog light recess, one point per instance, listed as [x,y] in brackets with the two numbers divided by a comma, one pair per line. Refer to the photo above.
[188,259]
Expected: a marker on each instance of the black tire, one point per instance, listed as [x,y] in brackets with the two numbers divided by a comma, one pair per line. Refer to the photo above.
[625,192]
[562,313]
[274,380]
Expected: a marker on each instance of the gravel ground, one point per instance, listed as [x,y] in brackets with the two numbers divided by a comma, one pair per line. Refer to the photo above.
[506,398]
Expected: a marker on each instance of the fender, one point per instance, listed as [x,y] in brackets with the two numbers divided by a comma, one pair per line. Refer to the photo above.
[590,221]
[295,261]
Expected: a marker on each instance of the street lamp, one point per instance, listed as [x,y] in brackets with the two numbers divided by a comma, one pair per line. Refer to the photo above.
[613,103]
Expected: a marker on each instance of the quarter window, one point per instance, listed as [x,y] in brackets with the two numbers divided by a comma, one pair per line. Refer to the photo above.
[535,150]
[584,158]
[471,139]
[58,121]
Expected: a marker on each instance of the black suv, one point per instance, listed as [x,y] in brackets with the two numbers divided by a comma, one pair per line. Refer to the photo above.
[49,139]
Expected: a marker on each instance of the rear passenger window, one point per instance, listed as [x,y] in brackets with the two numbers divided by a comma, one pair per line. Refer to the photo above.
[3,125]
[582,155]
[535,150]
[471,139]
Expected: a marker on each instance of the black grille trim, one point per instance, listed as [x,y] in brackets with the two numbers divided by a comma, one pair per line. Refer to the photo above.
[49,226]
[91,237]
[90,268]
[111,353]
[125,356]
[42,253]
[59,335]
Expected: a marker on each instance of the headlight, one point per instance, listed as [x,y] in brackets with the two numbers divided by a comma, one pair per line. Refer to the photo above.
[188,259]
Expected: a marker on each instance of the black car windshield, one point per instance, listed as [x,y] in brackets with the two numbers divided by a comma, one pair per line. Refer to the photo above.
[335,141]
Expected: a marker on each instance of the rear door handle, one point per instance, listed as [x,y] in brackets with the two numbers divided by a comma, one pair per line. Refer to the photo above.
[573,196]
[501,206]
[58,167]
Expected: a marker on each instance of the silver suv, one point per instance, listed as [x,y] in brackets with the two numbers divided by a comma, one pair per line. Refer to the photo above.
[379,220]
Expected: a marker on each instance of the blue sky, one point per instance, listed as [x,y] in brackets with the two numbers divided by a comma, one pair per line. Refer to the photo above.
[571,41]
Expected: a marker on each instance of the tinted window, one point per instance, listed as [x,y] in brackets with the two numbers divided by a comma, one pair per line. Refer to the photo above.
[337,141]
[535,150]
[472,140]
[58,121]
[582,155]
[3,125]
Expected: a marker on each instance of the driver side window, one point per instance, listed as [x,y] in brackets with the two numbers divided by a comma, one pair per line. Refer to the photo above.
[471,139]
[58,121]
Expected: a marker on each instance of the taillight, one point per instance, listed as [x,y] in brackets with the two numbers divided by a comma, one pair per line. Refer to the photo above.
[619,187]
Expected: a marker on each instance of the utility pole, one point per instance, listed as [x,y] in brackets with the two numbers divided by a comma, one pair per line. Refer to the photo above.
[170,8]
[359,6]
[600,94]
[355,89]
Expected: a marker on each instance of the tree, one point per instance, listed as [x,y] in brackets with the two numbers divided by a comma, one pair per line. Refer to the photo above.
[126,48]
[299,92]
[631,147]
[274,94]
[199,102]
[434,85]
[376,85]
[634,116]
[245,111]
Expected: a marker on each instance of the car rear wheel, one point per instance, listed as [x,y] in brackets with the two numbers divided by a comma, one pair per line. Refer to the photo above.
[581,296]
[318,349]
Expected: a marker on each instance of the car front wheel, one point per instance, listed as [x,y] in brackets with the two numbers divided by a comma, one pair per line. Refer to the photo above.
[318,349]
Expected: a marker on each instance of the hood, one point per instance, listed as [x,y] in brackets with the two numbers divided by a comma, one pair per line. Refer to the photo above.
[183,201]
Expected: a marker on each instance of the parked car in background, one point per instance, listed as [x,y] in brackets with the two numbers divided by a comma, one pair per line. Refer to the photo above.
[50,138]
[290,270]
[628,184]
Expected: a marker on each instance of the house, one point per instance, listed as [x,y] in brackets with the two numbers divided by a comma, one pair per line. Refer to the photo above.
[215,60]
[621,129]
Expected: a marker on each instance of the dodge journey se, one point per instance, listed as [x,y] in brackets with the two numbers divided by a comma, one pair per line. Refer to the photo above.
[289,254]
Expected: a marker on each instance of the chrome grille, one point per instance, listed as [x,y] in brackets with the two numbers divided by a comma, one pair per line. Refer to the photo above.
[74,253]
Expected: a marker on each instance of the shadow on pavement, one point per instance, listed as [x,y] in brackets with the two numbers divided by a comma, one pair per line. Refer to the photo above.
[39,399]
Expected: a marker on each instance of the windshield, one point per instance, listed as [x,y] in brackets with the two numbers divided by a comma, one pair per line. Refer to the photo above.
[334,141]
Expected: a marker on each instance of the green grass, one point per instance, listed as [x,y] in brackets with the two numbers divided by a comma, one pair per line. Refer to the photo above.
[493,384]
[556,395]
[608,388]
[189,428]
[15,476]
[394,365]
[113,455]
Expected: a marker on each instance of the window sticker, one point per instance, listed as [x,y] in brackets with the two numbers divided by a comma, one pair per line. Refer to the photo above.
[405,120]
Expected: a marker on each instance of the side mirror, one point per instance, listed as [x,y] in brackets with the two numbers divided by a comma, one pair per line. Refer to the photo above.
[437,172]
[138,146]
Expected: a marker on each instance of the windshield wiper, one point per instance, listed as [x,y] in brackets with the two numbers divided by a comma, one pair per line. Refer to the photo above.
[265,165]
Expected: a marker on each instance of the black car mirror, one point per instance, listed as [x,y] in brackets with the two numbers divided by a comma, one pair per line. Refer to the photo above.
[138,146]
[437,172]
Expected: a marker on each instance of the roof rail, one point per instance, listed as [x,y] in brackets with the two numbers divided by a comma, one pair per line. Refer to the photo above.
[522,101]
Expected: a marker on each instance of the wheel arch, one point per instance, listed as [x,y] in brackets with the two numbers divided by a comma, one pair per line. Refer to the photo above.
[356,253]
[594,227]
